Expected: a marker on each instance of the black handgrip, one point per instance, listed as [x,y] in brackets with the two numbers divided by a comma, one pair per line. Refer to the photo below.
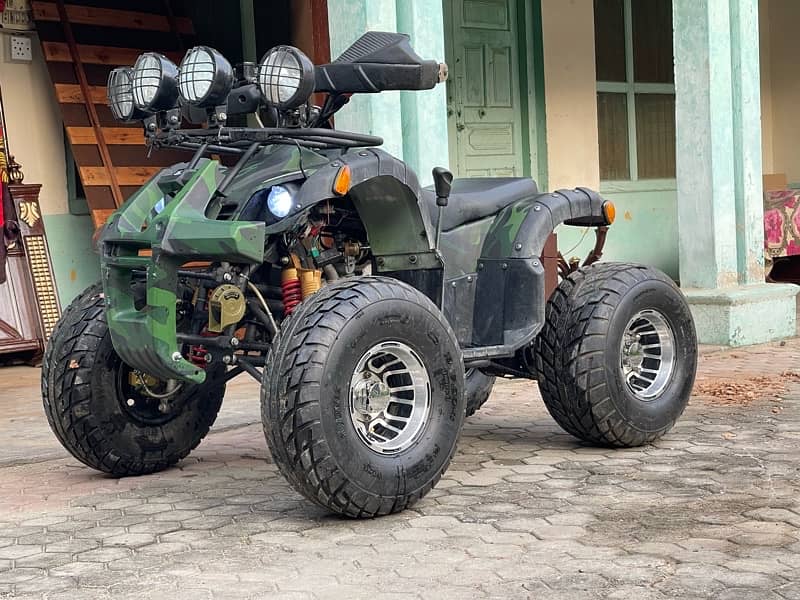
[443,182]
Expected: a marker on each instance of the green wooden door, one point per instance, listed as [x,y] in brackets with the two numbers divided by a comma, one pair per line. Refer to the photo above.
[485,110]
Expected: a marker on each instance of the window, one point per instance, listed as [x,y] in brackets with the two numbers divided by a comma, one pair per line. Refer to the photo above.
[76,197]
[635,89]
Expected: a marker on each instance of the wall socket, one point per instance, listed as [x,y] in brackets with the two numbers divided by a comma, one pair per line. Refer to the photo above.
[21,50]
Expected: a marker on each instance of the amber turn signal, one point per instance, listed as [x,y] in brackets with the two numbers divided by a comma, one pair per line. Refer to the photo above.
[609,212]
[341,185]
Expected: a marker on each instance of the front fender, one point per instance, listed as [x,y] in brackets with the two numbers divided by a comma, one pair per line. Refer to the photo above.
[386,193]
[146,337]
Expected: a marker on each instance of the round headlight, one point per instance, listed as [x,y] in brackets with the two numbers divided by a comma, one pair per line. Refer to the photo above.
[206,77]
[286,77]
[155,82]
[280,201]
[120,95]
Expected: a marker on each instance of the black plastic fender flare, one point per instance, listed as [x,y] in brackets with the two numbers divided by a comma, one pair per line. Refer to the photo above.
[510,299]
[521,230]
[385,192]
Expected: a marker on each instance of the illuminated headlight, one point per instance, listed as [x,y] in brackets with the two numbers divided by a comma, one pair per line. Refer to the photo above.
[206,77]
[286,77]
[155,82]
[120,95]
[280,201]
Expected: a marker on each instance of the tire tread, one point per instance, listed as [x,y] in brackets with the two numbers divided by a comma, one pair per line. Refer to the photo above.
[300,450]
[577,319]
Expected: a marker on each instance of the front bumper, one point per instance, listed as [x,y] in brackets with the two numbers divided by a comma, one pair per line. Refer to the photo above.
[146,338]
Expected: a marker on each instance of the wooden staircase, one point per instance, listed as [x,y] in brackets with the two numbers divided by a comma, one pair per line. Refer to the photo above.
[81,44]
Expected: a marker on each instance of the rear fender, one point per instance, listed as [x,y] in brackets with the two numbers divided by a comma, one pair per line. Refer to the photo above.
[386,194]
[510,298]
[521,230]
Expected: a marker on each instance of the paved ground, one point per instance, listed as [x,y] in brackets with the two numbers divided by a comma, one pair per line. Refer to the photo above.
[711,511]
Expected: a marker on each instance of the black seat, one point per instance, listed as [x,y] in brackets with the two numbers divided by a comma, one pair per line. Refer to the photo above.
[478,197]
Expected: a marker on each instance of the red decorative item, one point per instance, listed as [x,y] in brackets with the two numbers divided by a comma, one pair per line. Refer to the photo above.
[2,5]
[782,223]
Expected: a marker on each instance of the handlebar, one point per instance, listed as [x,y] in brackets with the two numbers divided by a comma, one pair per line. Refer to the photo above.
[236,139]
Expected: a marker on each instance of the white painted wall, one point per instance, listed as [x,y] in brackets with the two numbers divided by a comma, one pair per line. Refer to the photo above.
[767,142]
[570,93]
[33,119]
[780,87]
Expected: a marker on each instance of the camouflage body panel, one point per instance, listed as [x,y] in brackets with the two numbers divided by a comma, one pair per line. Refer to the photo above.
[273,165]
[521,230]
[384,190]
[146,339]
[386,194]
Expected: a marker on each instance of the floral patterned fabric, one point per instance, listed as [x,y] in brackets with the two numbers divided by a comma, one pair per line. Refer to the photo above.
[782,223]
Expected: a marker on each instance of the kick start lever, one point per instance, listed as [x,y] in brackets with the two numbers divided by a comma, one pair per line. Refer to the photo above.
[442,182]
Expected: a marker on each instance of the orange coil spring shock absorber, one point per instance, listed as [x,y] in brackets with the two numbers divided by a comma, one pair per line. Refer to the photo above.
[292,290]
[310,281]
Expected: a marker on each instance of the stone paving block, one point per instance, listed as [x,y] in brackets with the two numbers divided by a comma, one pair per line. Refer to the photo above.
[103,555]
[776,514]
[83,594]
[761,539]
[162,549]
[571,518]
[19,551]
[626,592]
[99,533]
[525,512]
[789,591]
[130,540]
[46,585]
[44,560]
[77,569]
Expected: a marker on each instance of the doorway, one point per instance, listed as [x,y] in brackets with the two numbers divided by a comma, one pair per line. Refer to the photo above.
[495,118]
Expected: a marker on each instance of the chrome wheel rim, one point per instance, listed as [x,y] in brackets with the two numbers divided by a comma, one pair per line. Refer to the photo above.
[390,397]
[647,354]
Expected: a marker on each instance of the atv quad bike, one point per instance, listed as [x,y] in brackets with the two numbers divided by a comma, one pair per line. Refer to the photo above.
[313,261]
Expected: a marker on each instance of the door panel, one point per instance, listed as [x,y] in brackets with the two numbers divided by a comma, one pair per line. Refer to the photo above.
[485,108]
[486,14]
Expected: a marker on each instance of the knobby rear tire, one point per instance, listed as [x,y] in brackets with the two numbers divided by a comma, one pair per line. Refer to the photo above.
[578,354]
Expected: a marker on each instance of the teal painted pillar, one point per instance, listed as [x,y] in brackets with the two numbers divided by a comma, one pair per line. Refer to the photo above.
[424,113]
[413,124]
[747,140]
[720,206]
[374,114]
